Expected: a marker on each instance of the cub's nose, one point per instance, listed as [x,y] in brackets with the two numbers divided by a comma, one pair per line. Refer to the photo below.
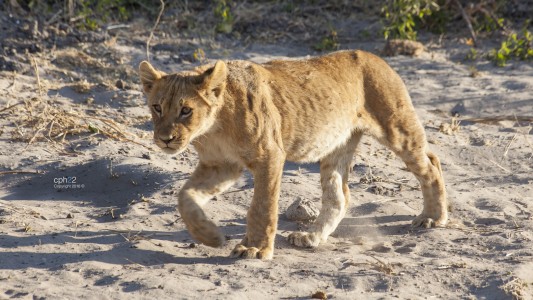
[166,138]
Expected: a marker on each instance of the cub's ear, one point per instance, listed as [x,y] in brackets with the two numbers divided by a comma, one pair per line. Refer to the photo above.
[148,75]
[215,78]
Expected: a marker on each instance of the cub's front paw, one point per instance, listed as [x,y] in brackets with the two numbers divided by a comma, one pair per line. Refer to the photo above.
[206,232]
[304,239]
[241,251]
[428,222]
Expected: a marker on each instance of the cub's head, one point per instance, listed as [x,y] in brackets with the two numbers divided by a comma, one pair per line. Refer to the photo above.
[183,105]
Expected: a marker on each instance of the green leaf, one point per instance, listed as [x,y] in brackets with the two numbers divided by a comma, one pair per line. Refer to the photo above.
[93,128]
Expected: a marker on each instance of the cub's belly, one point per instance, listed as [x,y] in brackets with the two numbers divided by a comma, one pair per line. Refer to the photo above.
[315,145]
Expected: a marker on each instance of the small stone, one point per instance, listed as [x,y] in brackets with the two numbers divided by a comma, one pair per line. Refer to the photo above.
[89,100]
[302,210]
[193,245]
[319,295]
[382,247]
[403,47]
[120,84]
[82,87]
[9,65]
[146,156]
[70,216]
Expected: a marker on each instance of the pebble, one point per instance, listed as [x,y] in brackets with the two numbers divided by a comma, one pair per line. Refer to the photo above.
[302,210]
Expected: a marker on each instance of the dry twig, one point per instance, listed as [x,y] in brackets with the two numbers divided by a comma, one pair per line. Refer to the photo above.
[36,70]
[10,107]
[509,146]
[134,263]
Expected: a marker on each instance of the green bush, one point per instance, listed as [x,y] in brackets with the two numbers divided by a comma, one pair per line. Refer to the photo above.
[328,43]
[224,17]
[403,16]
[514,46]
[86,14]
[472,54]
[97,12]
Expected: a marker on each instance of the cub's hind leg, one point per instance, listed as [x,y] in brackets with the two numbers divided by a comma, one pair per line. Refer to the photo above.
[334,171]
[408,141]
[426,167]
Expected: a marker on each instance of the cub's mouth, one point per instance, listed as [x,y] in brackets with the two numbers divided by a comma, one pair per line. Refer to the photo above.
[174,147]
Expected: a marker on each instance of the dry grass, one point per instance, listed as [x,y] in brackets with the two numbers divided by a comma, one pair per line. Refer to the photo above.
[450,128]
[377,264]
[516,288]
[382,266]
[41,120]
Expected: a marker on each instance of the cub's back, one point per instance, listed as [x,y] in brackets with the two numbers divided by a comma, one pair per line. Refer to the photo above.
[321,101]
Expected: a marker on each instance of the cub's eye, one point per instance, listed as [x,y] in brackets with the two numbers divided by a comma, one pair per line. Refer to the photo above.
[157,108]
[185,111]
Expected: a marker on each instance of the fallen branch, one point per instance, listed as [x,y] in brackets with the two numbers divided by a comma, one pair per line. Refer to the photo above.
[117,26]
[493,120]
[416,188]
[499,166]
[468,22]
[153,29]
[21,172]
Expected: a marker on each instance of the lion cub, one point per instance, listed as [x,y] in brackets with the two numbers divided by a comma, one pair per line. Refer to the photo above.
[239,114]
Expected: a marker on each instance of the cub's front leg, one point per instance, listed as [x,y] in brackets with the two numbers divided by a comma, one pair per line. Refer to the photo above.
[262,218]
[208,180]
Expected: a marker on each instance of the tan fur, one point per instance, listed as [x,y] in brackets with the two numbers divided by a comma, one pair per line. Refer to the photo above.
[246,115]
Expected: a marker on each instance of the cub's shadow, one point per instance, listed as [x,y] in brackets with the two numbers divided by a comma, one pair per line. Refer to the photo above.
[293,169]
[366,220]
[100,183]
[100,96]
[369,226]
[122,252]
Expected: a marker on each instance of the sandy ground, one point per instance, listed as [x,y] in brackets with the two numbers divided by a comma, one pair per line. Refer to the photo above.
[116,233]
